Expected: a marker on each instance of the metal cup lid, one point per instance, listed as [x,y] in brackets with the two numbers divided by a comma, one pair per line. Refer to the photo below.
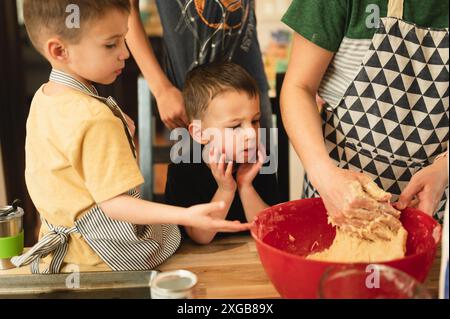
[12,211]
[174,281]
[7,212]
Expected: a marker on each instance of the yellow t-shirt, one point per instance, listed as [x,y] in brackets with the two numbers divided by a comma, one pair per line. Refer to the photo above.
[77,155]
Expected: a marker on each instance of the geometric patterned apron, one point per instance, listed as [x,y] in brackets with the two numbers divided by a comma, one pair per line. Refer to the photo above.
[393,119]
[121,245]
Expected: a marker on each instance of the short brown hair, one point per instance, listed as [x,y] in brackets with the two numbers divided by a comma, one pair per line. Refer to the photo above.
[49,17]
[207,81]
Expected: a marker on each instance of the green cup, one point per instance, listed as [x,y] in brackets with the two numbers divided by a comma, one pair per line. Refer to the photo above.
[11,246]
[11,236]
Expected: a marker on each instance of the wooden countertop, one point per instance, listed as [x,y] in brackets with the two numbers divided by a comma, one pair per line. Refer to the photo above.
[230,268]
[432,282]
[227,268]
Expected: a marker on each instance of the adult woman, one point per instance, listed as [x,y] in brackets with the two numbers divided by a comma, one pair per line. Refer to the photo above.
[385,84]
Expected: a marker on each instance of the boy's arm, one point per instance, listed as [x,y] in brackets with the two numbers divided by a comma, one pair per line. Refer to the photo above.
[141,212]
[225,192]
[205,236]
[251,201]
[168,97]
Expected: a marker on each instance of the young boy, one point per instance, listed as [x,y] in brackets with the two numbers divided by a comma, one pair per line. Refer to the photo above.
[81,169]
[224,98]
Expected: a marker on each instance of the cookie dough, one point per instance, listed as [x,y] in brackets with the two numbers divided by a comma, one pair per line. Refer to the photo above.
[349,248]
[370,230]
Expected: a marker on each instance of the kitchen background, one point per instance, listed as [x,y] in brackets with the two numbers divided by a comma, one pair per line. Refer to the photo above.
[2,182]
[274,40]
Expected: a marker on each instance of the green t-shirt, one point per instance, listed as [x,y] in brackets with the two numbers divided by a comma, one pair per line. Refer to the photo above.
[327,22]
[346,27]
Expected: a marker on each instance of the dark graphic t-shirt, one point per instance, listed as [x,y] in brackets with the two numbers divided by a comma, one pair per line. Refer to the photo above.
[202,31]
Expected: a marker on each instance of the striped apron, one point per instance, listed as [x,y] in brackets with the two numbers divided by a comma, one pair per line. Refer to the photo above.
[122,246]
[393,119]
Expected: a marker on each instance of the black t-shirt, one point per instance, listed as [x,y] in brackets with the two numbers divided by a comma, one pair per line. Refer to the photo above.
[190,184]
[200,32]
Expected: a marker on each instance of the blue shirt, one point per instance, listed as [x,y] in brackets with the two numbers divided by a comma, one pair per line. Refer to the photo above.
[203,31]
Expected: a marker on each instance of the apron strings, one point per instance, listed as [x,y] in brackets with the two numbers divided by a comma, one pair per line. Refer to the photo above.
[55,241]
[117,111]
[67,80]
[395,9]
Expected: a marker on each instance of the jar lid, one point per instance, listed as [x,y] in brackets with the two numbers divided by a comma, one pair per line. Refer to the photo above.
[18,212]
[174,281]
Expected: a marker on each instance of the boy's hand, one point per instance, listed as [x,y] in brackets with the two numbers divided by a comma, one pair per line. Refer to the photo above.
[248,171]
[426,187]
[199,216]
[223,174]
[131,125]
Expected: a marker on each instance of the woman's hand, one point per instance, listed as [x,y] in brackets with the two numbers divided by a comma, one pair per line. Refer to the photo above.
[171,108]
[345,192]
[357,205]
[426,188]
[169,99]
[223,173]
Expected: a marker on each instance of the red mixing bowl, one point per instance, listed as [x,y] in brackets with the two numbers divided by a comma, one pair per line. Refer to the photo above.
[285,234]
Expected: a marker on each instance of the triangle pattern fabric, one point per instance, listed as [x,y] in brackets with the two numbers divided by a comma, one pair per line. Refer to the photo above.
[435,58]
[385,45]
[438,108]
[395,112]
[403,102]
[398,83]
[392,64]
[427,41]
[409,70]
[420,106]
[419,56]
[415,88]
[425,74]
[381,79]
[402,50]
[443,76]
[374,61]
[444,43]
[412,37]
[395,31]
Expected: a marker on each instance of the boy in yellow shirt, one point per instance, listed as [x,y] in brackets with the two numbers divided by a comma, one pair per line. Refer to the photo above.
[81,168]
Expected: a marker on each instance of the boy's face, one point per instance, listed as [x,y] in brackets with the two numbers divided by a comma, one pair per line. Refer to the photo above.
[236,116]
[101,53]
